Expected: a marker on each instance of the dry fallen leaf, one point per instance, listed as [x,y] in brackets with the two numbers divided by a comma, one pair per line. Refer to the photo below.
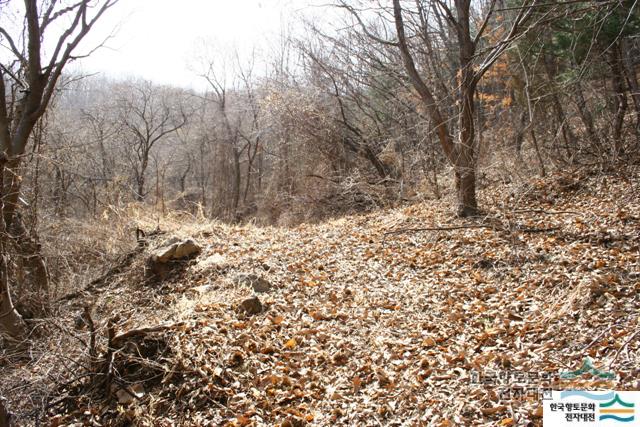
[357,383]
[493,410]
[396,322]
[291,344]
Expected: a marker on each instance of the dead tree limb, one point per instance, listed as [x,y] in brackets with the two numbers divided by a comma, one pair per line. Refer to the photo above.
[542,211]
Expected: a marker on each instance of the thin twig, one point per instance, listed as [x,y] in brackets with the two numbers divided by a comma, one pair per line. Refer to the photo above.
[600,335]
[626,343]
[537,230]
[542,211]
[103,280]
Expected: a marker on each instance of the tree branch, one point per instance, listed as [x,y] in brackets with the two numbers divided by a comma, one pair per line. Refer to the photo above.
[420,85]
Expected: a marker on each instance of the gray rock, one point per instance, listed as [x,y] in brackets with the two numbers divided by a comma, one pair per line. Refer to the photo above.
[258,284]
[176,250]
[215,261]
[186,249]
[251,306]
[158,263]
[163,254]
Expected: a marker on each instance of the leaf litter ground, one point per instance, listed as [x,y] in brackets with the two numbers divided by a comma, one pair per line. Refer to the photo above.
[402,317]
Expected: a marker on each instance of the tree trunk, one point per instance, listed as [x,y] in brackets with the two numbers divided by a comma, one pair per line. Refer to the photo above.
[58,193]
[139,196]
[521,129]
[567,134]
[632,80]
[236,182]
[585,114]
[10,189]
[534,140]
[465,157]
[285,180]
[461,154]
[33,301]
[260,170]
[11,322]
[620,106]
[251,157]
[140,174]
[466,192]
[17,119]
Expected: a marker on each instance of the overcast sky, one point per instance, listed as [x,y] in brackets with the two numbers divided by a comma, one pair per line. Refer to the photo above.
[159,39]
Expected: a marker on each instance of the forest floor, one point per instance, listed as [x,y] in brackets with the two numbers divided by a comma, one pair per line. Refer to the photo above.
[402,317]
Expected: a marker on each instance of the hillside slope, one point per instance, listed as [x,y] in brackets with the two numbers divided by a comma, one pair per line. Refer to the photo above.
[404,317]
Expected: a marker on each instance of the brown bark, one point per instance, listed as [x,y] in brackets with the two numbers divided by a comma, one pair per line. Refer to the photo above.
[11,322]
[465,187]
[236,182]
[251,155]
[521,130]
[534,140]
[33,294]
[461,154]
[584,113]
[17,121]
[632,80]
[621,105]
[140,181]
[465,160]
[446,141]
[5,415]
[561,118]
[12,181]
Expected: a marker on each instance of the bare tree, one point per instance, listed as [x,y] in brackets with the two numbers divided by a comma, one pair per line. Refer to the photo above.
[150,114]
[27,83]
[230,118]
[422,27]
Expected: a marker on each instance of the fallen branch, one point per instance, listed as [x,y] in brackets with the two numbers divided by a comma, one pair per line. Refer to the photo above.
[626,343]
[542,211]
[101,281]
[600,335]
[66,384]
[117,340]
[537,230]
[334,180]
[142,240]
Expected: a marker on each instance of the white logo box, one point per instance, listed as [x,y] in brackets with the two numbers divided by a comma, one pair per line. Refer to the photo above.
[591,408]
